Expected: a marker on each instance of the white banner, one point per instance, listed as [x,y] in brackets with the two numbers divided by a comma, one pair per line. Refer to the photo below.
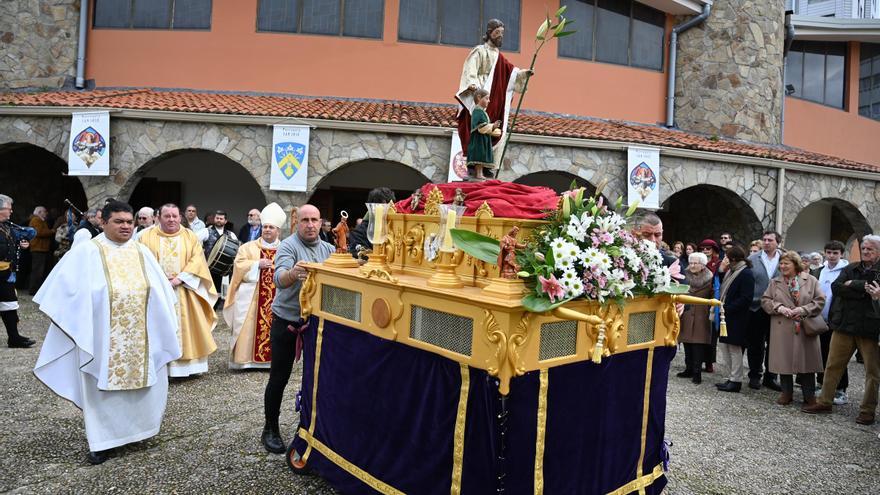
[643,177]
[457,161]
[290,158]
[89,145]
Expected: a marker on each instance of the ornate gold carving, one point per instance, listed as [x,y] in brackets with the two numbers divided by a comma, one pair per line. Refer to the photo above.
[391,207]
[613,317]
[414,240]
[484,211]
[432,204]
[305,294]
[380,274]
[670,321]
[515,342]
[498,338]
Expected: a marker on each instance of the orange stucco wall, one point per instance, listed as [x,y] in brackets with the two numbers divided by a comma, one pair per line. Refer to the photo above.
[233,56]
[834,131]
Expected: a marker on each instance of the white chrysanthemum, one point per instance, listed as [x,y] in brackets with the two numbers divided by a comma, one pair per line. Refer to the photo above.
[568,278]
[563,263]
[603,261]
[575,289]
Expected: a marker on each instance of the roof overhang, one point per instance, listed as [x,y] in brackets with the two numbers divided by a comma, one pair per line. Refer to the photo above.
[677,7]
[832,29]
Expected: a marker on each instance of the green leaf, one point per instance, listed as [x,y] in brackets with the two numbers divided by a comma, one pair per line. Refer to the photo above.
[565,33]
[540,304]
[559,27]
[561,10]
[573,185]
[479,246]
[632,208]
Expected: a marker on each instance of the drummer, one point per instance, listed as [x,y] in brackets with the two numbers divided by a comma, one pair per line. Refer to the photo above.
[209,236]
[180,255]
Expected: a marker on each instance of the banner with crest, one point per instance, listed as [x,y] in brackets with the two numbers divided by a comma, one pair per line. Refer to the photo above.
[89,146]
[290,158]
[643,177]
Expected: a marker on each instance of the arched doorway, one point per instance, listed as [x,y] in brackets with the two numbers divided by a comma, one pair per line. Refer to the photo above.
[704,212]
[207,179]
[557,180]
[33,177]
[346,188]
[825,220]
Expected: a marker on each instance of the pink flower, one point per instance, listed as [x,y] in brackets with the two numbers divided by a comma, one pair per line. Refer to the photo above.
[551,287]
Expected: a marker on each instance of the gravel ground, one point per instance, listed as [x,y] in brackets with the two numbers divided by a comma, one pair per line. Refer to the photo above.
[209,443]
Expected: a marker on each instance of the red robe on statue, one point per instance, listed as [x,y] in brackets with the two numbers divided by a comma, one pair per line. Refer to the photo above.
[497,98]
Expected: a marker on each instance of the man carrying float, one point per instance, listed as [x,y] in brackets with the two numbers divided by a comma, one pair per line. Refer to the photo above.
[248,310]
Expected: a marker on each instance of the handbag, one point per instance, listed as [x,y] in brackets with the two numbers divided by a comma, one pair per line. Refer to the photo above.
[814,325]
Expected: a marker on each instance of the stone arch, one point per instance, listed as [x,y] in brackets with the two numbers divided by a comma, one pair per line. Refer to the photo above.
[333,149]
[558,180]
[851,195]
[824,220]
[346,187]
[685,218]
[35,176]
[208,179]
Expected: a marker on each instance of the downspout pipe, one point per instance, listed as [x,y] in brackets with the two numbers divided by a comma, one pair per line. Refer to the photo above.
[81,45]
[789,38]
[673,52]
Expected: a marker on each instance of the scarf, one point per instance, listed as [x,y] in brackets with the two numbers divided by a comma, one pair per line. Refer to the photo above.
[734,272]
[794,288]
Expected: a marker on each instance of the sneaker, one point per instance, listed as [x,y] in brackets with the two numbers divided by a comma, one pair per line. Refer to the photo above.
[840,398]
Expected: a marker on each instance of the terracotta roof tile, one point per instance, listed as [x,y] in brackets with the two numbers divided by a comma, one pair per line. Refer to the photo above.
[434,115]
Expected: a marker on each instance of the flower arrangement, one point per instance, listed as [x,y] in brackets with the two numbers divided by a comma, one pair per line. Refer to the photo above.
[586,251]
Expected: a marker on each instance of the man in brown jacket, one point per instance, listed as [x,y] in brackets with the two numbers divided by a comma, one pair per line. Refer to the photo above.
[40,246]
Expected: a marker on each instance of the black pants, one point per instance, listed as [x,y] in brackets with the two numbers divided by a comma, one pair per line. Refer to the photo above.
[283,344]
[825,343]
[39,270]
[758,353]
[694,355]
[9,318]
[807,381]
[218,283]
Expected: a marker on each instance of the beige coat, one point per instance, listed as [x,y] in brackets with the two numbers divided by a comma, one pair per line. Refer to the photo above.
[792,352]
[695,323]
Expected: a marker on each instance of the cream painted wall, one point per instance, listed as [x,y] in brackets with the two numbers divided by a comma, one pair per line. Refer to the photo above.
[811,229]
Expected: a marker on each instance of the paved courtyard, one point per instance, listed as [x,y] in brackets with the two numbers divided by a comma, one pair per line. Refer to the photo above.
[209,443]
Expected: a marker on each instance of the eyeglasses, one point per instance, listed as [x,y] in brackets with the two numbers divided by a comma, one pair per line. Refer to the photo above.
[142,218]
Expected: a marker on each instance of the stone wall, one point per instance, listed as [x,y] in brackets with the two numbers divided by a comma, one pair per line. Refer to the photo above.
[859,200]
[38,42]
[729,71]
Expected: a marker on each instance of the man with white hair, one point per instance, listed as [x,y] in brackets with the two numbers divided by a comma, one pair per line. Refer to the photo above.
[251,230]
[856,326]
[9,250]
[144,218]
[40,247]
[89,227]
[248,309]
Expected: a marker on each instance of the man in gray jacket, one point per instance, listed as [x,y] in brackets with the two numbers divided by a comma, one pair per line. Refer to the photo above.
[765,267]
[302,246]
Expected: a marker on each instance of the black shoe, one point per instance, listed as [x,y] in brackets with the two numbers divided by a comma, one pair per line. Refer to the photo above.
[755,383]
[99,457]
[772,385]
[27,339]
[272,441]
[21,344]
[722,385]
[697,379]
[685,374]
[730,387]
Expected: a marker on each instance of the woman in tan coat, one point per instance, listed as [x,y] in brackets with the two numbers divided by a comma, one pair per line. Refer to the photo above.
[696,325]
[790,298]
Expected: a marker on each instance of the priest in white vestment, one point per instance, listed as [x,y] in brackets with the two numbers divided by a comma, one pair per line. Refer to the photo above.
[248,309]
[113,333]
[180,255]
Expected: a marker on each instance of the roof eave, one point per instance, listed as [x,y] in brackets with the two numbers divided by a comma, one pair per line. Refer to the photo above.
[831,29]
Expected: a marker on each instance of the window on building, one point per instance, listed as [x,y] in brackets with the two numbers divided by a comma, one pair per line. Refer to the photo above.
[869,81]
[357,18]
[621,32]
[153,14]
[457,22]
[816,70]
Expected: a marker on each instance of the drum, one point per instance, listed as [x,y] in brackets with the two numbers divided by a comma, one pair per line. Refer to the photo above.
[222,256]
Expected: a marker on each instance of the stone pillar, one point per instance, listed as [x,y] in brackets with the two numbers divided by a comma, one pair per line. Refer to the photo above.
[38,40]
[729,74]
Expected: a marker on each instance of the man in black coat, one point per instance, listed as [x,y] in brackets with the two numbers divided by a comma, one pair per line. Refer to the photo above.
[856,326]
[358,236]
[9,248]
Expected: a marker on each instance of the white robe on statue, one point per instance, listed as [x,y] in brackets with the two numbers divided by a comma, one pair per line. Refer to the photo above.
[113,332]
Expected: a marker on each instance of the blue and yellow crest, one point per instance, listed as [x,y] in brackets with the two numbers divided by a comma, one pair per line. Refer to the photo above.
[289,157]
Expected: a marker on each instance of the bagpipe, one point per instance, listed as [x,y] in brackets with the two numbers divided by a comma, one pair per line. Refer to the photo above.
[20,233]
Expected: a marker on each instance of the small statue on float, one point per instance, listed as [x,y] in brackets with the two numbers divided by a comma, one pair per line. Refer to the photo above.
[341,233]
[507,256]
[460,197]
[416,200]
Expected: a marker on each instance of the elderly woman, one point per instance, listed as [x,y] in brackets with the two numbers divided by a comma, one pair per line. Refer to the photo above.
[790,298]
[736,293]
[696,327]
